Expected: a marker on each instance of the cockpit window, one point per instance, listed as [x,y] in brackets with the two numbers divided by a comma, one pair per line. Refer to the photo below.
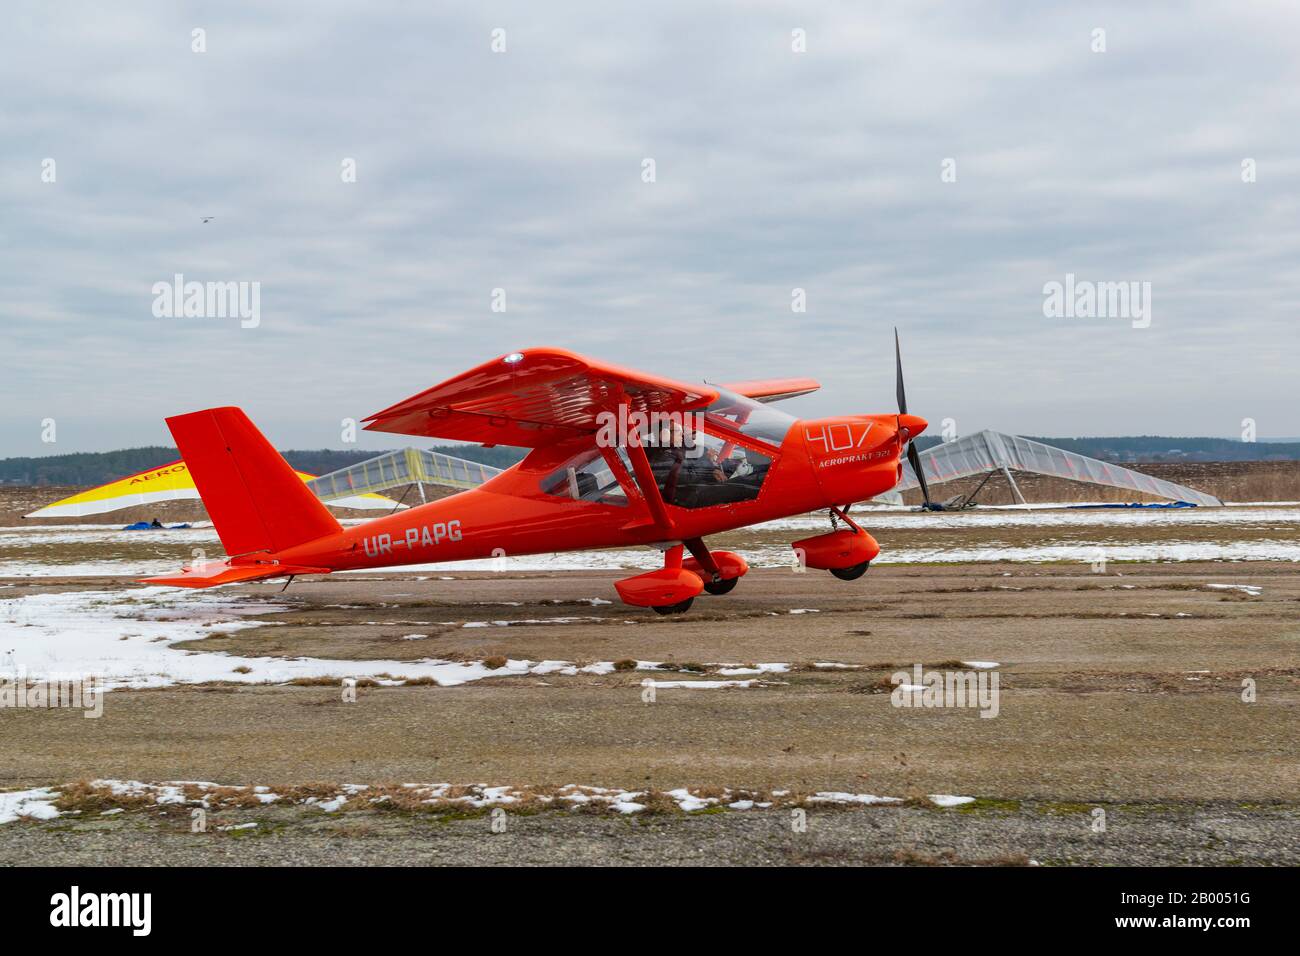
[585,477]
[749,417]
[700,470]
[693,469]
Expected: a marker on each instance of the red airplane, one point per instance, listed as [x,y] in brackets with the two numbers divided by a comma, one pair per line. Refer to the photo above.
[618,458]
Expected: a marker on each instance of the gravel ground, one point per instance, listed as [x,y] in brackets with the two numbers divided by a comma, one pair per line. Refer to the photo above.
[1044,834]
[1120,689]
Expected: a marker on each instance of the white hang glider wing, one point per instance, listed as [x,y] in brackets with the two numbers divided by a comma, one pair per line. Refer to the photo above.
[988,451]
[398,468]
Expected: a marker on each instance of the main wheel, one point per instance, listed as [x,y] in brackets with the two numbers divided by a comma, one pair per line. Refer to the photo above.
[853,573]
[681,607]
[722,586]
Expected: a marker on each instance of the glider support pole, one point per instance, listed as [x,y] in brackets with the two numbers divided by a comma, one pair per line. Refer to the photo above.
[970,498]
[1015,489]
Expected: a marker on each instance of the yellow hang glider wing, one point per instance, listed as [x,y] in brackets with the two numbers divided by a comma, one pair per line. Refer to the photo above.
[170,482]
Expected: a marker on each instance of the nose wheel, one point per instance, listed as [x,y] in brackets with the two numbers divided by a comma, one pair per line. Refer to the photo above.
[850,573]
[681,607]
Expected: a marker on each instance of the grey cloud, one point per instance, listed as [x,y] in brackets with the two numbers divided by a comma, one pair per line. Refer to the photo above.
[775,170]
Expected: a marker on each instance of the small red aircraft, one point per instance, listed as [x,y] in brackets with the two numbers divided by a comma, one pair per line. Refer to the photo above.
[618,458]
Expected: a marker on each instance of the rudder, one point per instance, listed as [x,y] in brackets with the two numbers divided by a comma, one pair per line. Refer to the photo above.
[256,501]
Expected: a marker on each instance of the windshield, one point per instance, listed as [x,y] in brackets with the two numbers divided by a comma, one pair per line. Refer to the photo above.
[750,418]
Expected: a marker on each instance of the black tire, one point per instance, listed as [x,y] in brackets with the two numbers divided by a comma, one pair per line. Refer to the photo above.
[724,586]
[853,573]
[681,607]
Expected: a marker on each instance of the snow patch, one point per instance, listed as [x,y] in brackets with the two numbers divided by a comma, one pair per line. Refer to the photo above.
[948,800]
[1254,590]
[839,797]
[35,804]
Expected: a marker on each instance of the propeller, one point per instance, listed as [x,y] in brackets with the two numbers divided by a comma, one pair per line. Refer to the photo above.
[913,456]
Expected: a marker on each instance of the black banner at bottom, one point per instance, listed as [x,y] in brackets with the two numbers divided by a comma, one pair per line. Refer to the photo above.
[338,904]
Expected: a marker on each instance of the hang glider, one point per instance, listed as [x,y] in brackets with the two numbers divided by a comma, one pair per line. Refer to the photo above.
[398,468]
[169,482]
[990,451]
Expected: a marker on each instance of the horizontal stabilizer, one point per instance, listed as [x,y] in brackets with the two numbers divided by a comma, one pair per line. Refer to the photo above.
[216,573]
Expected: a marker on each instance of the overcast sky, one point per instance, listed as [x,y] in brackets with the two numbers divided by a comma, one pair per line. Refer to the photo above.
[774,170]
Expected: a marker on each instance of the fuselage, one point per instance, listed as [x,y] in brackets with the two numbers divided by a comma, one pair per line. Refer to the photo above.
[817,464]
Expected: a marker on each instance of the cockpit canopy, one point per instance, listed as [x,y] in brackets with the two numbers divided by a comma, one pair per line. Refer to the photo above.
[695,457]
[750,418]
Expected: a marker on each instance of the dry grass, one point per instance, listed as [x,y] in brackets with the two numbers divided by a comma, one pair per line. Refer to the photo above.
[84,797]
[879,685]
[226,797]
[657,804]
[87,797]
[330,682]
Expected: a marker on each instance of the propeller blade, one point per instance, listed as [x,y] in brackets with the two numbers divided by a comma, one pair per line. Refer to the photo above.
[898,376]
[914,459]
[913,456]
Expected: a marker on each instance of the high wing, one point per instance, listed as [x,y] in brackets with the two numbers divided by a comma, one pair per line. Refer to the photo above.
[534,398]
[774,389]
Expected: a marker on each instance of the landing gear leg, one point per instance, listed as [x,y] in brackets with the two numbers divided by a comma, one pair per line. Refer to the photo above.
[719,570]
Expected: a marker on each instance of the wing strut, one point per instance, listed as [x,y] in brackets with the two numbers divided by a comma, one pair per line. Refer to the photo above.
[646,479]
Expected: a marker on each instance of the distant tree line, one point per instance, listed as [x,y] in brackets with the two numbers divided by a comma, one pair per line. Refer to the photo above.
[96,468]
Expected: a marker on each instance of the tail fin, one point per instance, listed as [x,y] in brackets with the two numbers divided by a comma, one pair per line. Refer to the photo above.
[254,498]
